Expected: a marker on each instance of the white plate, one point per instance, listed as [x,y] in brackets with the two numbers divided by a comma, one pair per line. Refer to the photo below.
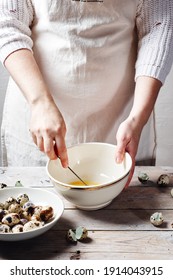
[38,197]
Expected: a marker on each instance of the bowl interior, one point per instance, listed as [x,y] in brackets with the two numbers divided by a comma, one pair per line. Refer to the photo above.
[93,162]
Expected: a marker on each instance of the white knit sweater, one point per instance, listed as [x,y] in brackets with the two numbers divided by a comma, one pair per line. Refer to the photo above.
[154,23]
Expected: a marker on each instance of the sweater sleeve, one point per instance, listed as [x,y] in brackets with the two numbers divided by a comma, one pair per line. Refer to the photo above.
[154,24]
[16,17]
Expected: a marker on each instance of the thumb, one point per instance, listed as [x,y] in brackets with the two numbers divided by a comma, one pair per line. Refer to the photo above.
[120,151]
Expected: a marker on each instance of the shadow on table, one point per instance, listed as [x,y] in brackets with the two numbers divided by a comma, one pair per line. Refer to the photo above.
[44,247]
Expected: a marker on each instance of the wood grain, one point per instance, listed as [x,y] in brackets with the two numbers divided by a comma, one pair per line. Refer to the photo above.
[122,230]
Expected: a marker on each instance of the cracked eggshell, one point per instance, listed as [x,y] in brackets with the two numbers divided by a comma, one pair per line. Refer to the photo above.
[143,177]
[81,233]
[71,236]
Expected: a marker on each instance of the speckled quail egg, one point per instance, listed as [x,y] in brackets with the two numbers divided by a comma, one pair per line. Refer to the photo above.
[29,207]
[46,213]
[3,213]
[36,214]
[14,208]
[9,201]
[22,199]
[156,219]
[17,228]
[31,225]
[4,228]
[20,214]
[163,180]
[11,219]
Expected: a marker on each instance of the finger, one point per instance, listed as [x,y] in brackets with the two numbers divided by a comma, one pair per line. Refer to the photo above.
[34,138]
[120,151]
[130,174]
[40,143]
[61,151]
[49,148]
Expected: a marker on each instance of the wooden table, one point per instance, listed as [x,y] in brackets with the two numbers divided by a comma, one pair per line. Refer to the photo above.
[120,231]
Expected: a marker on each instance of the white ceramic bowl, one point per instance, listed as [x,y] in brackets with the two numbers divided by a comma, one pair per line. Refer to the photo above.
[38,197]
[94,163]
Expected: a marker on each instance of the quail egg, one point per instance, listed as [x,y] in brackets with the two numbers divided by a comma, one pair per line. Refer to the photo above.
[2,214]
[156,219]
[14,208]
[20,214]
[4,228]
[11,219]
[17,228]
[9,201]
[22,199]
[31,225]
[46,213]
[163,180]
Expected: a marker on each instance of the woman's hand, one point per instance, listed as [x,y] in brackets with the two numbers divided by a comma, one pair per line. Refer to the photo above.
[128,136]
[129,132]
[48,130]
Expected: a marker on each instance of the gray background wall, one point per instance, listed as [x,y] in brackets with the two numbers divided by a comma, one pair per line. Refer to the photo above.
[164,118]
[3,85]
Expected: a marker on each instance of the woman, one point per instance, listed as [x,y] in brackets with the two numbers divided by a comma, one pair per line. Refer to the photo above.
[88,71]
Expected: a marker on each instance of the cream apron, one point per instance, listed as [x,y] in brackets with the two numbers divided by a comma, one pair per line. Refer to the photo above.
[86,52]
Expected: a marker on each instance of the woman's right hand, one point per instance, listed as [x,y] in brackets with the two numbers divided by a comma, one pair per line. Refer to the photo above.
[48,130]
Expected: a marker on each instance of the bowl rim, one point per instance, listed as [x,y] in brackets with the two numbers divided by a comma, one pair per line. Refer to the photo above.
[90,187]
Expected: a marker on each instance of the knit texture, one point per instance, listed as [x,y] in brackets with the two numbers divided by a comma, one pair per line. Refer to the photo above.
[15,21]
[154,23]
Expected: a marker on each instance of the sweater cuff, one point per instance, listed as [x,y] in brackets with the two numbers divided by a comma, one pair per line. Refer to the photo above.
[8,49]
[152,71]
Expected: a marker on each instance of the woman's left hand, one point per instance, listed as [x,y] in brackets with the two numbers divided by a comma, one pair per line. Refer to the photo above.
[128,136]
